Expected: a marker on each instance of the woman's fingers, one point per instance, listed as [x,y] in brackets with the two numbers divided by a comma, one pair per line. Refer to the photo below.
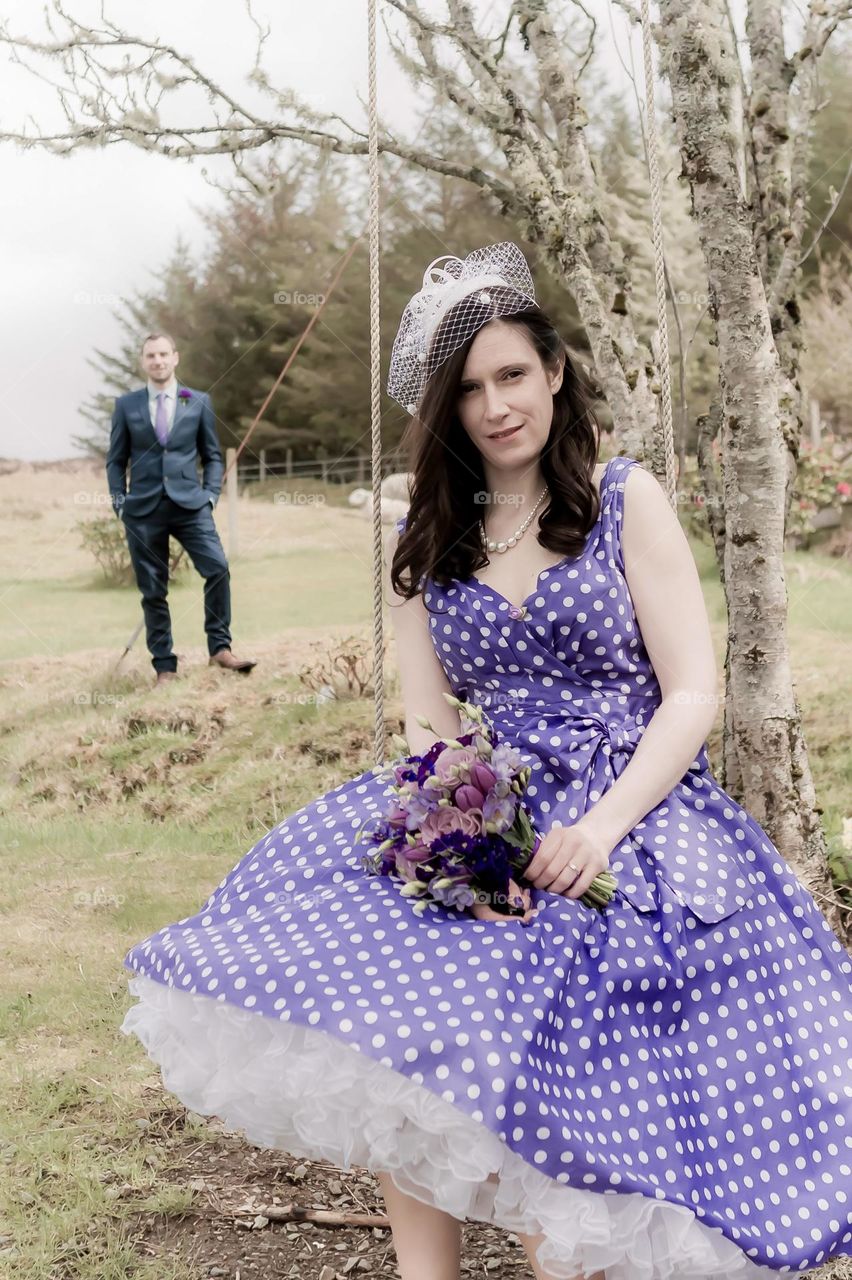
[483,911]
[546,876]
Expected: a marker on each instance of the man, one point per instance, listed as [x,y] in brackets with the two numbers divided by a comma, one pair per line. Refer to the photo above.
[161,430]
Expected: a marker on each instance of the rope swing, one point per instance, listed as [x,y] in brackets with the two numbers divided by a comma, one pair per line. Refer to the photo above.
[375,389]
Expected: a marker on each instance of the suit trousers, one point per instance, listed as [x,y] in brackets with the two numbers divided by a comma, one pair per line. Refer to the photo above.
[148,543]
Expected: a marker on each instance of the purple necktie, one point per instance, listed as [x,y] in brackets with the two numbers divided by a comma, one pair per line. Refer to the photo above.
[161,426]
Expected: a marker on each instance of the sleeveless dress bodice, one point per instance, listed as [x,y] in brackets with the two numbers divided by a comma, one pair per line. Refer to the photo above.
[567,679]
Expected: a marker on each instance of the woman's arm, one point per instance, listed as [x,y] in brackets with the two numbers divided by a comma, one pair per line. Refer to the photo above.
[669,603]
[421,675]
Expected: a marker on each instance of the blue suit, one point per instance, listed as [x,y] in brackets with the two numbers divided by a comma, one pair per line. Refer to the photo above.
[154,469]
[164,497]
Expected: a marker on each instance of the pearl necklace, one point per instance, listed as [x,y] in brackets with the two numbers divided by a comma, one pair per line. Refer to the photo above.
[500,546]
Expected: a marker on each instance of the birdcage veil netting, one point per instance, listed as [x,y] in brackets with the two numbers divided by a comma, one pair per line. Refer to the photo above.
[454,302]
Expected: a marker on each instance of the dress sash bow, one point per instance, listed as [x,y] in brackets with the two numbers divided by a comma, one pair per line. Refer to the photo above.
[677,841]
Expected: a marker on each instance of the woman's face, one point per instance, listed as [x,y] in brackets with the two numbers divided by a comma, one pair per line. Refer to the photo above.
[504,385]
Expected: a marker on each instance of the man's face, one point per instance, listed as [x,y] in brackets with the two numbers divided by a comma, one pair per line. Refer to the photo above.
[159,360]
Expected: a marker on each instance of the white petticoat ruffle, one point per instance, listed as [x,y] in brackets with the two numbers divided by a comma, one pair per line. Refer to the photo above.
[303,1091]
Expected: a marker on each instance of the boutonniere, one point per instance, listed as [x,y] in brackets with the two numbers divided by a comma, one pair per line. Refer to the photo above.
[183,394]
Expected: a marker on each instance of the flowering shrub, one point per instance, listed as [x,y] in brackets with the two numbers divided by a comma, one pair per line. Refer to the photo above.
[823,481]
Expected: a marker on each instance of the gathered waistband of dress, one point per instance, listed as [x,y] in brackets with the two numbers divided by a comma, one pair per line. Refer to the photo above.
[522,701]
[618,727]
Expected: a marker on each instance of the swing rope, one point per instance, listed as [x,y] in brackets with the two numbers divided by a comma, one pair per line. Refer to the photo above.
[375,390]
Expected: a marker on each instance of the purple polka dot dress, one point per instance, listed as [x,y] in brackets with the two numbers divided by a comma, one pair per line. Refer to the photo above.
[663,1089]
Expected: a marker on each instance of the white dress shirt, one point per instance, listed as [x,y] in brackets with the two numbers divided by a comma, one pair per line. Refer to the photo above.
[171,400]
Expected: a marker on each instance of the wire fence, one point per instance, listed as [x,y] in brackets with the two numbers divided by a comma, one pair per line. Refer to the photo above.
[346,469]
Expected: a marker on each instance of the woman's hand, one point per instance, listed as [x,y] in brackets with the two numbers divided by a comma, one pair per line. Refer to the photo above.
[550,868]
[483,912]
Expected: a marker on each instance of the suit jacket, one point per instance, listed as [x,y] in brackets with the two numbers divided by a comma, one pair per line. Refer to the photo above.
[154,468]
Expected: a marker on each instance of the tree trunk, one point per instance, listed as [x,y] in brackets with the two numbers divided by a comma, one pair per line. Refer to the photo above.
[764,732]
[580,250]
[777,231]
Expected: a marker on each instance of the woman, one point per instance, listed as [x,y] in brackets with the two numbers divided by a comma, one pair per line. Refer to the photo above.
[658,1089]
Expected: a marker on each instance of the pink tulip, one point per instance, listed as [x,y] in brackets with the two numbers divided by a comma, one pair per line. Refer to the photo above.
[417,852]
[482,776]
[468,797]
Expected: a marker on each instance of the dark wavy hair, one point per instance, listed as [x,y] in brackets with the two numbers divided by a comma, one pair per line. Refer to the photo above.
[442,537]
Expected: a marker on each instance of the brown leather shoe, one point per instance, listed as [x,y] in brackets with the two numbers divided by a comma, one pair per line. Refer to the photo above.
[163,677]
[225,659]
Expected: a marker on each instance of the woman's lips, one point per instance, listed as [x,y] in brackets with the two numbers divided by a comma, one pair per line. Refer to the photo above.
[508,436]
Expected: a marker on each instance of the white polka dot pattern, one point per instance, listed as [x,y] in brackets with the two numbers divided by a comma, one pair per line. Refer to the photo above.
[572,685]
[688,1048]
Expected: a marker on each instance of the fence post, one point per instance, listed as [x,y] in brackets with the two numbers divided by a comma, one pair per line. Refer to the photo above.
[231,494]
[816,425]
[262,465]
[289,470]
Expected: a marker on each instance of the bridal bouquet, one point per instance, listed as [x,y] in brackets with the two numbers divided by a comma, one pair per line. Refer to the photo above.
[458,828]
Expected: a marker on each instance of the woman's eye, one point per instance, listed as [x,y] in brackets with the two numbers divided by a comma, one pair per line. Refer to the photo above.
[509,373]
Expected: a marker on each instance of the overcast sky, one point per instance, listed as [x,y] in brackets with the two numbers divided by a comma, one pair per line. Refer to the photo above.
[80,233]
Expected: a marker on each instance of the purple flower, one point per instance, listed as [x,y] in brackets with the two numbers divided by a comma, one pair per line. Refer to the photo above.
[406,866]
[482,776]
[418,808]
[396,818]
[448,820]
[183,394]
[451,763]
[505,761]
[415,853]
[468,797]
[463,803]
[500,810]
[458,895]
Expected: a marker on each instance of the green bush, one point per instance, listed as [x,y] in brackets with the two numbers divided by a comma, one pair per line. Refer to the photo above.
[106,539]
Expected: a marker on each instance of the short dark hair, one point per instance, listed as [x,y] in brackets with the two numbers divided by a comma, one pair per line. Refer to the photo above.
[149,337]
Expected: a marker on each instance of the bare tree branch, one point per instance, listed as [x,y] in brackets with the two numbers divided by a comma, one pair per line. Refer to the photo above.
[504,34]
[538,148]
[823,21]
[584,56]
[83,53]
[803,105]
[836,197]
[488,111]
[630,8]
